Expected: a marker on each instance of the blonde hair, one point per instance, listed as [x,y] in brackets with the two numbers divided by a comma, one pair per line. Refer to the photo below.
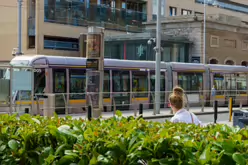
[177,98]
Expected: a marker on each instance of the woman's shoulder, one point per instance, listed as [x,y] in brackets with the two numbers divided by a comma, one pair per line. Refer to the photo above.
[174,119]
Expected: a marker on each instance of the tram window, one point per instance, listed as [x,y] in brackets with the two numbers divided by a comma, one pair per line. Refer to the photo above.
[59,81]
[162,82]
[121,81]
[241,84]
[230,80]
[23,95]
[39,81]
[219,84]
[77,84]
[190,82]
[140,83]
[106,85]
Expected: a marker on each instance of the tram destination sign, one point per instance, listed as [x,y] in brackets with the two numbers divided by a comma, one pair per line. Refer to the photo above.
[92,64]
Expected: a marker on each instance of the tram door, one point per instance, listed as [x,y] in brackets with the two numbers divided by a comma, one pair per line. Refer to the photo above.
[59,89]
[152,89]
[121,89]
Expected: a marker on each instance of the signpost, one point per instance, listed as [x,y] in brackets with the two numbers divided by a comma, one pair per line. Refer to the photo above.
[95,69]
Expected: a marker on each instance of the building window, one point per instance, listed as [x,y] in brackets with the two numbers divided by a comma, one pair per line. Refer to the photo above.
[229,62]
[173,11]
[230,43]
[244,45]
[186,12]
[213,61]
[244,63]
[60,43]
[214,41]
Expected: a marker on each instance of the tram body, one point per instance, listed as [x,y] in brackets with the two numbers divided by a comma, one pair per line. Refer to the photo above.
[129,83]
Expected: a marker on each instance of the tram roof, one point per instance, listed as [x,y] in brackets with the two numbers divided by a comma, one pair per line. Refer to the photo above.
[227,68]
[178,66]
[78,61]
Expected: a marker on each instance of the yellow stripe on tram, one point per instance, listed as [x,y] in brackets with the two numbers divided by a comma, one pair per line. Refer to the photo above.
[28,102]
[83,101]
[140,99]
[220,96]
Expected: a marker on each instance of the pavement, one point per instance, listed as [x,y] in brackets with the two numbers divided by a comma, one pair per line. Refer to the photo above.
[164,113]
[206,116]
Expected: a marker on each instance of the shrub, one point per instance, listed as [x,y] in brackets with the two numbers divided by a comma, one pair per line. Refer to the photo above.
[117,141]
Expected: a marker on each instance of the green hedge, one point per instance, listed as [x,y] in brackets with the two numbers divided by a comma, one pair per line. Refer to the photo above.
[117,141]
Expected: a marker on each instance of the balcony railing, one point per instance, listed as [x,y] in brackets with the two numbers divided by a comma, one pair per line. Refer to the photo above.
[61,45]
[110,18]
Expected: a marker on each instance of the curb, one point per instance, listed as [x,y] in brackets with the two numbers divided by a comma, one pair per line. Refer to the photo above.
[171,115]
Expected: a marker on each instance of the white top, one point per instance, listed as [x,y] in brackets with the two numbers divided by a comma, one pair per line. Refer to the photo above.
[184,116]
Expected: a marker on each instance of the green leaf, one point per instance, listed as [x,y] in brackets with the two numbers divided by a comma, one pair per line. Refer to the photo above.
[2,148]
[36,120]
[118,113]
[13,145]
[66,160]
[84,160]
[238,158]
[60,150]
[205,156]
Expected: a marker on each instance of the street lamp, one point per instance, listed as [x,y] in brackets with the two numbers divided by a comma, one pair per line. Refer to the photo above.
[19,51]
[214,3]
[158,58]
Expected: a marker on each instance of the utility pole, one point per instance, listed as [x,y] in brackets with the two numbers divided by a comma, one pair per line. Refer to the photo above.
[158,58]
[19,50]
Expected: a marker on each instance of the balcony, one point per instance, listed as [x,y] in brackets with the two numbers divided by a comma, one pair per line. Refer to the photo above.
[99,15]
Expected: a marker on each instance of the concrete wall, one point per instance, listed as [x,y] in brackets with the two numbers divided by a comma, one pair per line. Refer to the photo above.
[224,51]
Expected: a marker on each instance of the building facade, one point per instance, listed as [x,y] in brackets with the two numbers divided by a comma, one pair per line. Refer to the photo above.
[238,8]
[136,47]
[226,37]
[52,27]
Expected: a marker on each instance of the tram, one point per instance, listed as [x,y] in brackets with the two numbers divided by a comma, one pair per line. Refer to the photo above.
[129,83]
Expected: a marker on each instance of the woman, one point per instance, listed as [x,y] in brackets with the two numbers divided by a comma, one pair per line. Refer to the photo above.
[181,115]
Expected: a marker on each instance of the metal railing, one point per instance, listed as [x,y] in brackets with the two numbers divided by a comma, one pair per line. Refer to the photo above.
[130,102]
[82,15]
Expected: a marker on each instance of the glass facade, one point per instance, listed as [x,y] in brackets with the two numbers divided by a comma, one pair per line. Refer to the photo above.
[81,12]
[140,50]
[234,7]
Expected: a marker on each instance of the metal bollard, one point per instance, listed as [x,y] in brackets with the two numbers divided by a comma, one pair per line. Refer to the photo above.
[215,111]
[141,110]
[89,114]
[230,108]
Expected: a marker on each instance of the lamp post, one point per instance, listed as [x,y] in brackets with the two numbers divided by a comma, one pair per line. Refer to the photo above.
[204,35]
[214,3]
[19,51]
[158,58]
